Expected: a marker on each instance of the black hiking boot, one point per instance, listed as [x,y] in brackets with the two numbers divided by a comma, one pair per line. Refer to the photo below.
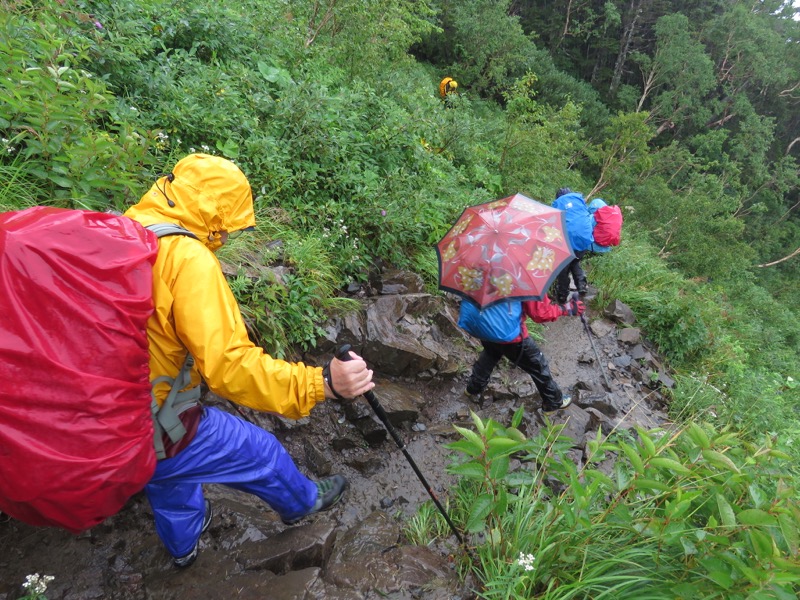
[329,491]
[549,409]
[185,561]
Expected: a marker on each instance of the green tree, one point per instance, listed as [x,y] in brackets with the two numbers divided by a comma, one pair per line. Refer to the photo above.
[676,78]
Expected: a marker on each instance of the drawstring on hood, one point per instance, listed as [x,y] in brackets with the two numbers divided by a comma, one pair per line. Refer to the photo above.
[205,194]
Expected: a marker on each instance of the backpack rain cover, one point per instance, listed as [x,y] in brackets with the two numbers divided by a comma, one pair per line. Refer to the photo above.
[607,221]
[76,431]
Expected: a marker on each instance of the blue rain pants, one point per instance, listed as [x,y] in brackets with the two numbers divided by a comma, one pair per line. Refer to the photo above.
[230,451]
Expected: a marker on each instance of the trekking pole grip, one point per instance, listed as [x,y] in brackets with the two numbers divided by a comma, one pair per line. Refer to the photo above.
[343,354]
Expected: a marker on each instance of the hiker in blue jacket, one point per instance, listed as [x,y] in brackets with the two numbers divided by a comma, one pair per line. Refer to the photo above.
[525,354]
[579,229]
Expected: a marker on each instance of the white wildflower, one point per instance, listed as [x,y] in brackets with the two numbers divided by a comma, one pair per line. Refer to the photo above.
[37,584]
[526,561]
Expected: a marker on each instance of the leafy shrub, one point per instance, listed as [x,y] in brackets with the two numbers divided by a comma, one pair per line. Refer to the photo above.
[697,512]
[57,116]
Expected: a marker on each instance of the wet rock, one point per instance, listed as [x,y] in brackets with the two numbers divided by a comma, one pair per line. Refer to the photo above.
[400,403]
[346,442]
[316,460]
[368,558]
[293,549]
[598,419]
[408,282]
[666,380]
[576,421]
[601,328]
[629,335]
[366,465]
[620,312]
[297,585]
[622,361]
[398,334]
[599,402]
[372,430]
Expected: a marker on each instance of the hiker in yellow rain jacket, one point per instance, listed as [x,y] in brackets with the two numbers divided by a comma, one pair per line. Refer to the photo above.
[448,85]
[196,313]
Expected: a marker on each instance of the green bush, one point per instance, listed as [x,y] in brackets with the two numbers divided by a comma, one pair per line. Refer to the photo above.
[690,513]
[57,122]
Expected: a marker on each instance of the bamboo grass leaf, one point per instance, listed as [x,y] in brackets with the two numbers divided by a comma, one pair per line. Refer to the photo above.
[670,464]
[633,457]
[789,530]
[698,435]
[720,460]
[763,546]
[755,516]
[726,512]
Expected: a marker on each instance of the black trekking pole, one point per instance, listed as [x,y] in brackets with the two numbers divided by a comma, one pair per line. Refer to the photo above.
[343,355]
[596,355]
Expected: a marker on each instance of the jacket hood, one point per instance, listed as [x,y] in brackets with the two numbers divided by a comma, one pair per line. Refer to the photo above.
[204,194]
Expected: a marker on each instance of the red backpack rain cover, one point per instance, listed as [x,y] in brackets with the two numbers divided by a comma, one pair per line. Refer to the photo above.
[608,230]
[76,432]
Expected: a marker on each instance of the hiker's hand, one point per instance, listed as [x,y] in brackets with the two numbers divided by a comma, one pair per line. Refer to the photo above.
[573,308]
[348,379]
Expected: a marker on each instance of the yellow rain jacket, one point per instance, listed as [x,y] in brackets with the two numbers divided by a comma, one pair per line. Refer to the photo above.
[195,309]
[447,86]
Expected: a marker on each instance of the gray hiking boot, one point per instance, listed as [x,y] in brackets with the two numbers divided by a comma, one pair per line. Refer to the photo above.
[329,491]
[549,409]
[185,561]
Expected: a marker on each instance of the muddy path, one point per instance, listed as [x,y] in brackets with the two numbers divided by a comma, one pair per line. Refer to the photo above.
[357,550]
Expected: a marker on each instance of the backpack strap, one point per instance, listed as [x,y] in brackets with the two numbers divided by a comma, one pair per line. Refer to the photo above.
[166,418]
[165,229]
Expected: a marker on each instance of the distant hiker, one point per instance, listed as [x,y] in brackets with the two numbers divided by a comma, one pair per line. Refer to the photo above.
[512,341]
[447,86]
[196,314]
[579,229]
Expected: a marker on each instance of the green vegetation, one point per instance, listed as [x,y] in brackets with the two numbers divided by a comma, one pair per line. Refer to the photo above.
[696,512]
[684,114]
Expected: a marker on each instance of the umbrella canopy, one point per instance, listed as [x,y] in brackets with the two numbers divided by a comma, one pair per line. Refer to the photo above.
[511,248]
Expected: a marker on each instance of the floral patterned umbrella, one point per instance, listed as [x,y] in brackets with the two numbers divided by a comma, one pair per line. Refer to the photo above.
[511,248]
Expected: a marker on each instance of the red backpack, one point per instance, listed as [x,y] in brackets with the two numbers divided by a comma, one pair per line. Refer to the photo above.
[76,426]
[608,230]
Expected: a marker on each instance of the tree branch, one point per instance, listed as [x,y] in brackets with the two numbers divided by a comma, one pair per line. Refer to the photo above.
[780,260]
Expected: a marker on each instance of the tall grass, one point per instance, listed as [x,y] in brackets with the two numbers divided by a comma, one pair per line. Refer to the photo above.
[16,191]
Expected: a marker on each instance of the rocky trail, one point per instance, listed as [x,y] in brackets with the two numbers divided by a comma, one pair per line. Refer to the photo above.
[357,550]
